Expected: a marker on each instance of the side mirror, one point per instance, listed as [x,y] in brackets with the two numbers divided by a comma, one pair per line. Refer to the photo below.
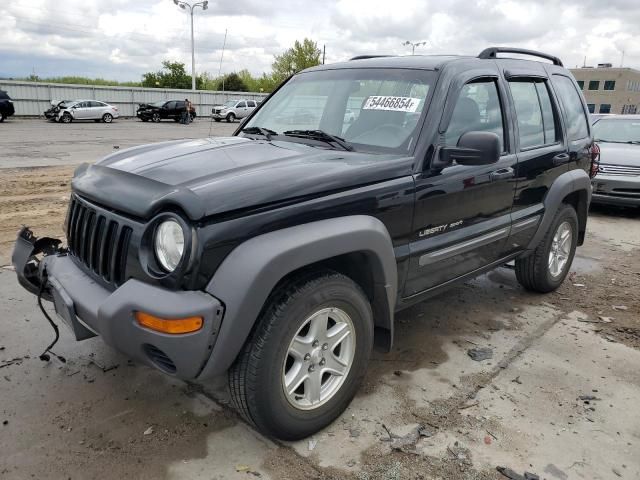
[474,148]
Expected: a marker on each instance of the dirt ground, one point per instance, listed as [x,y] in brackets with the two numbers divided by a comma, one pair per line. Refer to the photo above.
[558,397]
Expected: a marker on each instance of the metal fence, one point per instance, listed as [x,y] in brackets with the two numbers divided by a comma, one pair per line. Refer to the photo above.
[33,98]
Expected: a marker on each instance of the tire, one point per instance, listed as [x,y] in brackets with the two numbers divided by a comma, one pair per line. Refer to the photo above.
[66,118]
[107,118]
[231,118]
[155,118]
[537,272]
[257,379]
[1,117]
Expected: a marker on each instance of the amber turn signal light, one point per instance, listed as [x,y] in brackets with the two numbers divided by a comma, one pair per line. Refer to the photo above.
[169,325]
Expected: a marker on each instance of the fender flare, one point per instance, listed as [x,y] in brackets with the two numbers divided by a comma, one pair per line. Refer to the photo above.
[247,276]
[569,182]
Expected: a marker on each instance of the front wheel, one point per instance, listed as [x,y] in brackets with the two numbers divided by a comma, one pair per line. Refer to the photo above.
[305,360]
[155,118]
[1,117]
[66,118]
[546,268]
[231,118]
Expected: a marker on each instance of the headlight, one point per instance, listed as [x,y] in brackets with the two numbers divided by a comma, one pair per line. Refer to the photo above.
[169,244]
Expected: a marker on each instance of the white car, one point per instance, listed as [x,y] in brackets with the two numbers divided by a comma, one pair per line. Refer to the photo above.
[233,109]
[69,111]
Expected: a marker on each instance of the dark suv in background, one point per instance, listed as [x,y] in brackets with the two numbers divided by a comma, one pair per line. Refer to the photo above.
[171,109]
[6,106]
[281,255]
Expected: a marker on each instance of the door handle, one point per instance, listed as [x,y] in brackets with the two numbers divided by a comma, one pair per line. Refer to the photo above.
[502,174]
[561,159]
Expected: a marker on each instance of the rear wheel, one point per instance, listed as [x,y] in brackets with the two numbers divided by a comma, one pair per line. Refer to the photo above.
[231,118]
[107,118]
[546,268]
[66,118]
[306,358]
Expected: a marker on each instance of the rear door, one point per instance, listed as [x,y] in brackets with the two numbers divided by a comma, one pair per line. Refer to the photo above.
[96,109]
[463,213]
[541,148]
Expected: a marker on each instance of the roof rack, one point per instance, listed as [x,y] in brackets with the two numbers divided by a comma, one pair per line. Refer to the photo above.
[364,57]
[492,52]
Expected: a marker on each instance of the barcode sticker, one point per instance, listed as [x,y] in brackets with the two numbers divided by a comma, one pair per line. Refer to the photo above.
[396,104]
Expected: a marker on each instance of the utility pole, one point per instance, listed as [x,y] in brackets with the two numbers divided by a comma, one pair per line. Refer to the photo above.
[324,51]
[184,5]
[224,44]
[413,45]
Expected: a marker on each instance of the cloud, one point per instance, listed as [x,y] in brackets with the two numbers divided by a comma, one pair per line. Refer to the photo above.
[121,39]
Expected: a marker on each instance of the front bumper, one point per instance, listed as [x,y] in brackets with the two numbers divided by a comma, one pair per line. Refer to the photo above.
[621,190]
[90,309]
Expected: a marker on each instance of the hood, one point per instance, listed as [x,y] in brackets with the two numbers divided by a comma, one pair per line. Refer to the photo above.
[218,175]
[619,154]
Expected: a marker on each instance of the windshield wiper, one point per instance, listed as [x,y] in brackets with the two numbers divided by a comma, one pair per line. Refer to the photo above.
[320,135]
[265,132]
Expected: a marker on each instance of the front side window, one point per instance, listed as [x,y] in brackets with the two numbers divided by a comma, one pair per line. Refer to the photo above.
[581,84]
[373,109]
[594,85]
[477,109]
[610,85]
[617,130]
[572,104]
[605,108]
[242,105]
[534,111]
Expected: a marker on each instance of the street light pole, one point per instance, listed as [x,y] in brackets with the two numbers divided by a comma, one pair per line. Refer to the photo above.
[413,45]
[184,5]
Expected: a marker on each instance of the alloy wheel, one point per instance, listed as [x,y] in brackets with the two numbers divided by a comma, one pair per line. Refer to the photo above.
[560,249]
[319,358]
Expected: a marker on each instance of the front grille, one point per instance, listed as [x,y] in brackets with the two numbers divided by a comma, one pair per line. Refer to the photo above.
[607,169]
[98,241]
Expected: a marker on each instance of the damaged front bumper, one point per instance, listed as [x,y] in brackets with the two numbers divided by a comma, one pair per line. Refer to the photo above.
[88,308]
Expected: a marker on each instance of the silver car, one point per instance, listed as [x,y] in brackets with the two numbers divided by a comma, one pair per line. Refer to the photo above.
[86,110]
[233,109]
[618,179]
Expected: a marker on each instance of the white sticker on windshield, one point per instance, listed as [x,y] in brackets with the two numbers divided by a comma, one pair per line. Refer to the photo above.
[396,104]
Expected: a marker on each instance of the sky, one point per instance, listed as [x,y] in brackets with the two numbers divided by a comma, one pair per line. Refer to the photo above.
[122,39]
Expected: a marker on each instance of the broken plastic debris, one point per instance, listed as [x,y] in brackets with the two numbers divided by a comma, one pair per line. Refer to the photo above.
[480,354]
[148,431]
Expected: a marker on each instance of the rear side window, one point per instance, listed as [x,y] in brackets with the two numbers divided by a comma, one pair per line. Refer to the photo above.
[251,103]
[572,104]
[534,111]
[477,109]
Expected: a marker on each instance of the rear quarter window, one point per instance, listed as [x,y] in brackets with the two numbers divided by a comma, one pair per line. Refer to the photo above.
[571,102]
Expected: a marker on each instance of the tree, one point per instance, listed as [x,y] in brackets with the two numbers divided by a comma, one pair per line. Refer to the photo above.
[300,56]
[232,83]
[172,75]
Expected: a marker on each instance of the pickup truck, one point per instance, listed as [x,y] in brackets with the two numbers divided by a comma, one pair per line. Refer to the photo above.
[280,255]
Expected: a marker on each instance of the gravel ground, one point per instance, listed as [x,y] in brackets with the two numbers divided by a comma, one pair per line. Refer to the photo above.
[558,397]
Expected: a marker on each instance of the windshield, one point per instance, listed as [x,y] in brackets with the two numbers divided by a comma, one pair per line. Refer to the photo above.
[157,104]
[230,103]
[617,130]
[372,109]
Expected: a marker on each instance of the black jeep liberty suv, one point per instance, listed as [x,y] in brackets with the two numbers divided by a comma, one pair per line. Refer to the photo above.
[280,254]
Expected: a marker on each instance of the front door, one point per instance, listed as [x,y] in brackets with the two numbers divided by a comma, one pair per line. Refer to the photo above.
[463,213]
